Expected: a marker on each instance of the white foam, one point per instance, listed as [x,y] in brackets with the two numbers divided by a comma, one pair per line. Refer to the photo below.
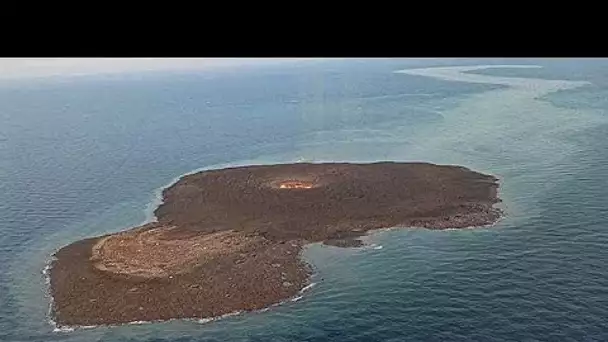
[297,298]
[378,247]
[197,320]
[307,287]
[212,319]
[63,329]
[230,314]
[46,271]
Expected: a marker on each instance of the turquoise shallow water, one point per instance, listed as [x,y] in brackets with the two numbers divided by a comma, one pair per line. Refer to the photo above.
[83,157]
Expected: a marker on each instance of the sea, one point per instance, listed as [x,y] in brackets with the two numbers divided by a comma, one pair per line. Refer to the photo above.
[82,156]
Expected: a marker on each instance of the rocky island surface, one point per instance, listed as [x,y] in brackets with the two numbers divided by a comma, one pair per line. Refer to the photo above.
[230,240]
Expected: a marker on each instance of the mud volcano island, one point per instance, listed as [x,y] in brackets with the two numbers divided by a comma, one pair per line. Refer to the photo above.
[230,240]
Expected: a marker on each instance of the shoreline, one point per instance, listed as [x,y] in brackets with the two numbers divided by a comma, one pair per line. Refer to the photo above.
[160,198]
[71,328]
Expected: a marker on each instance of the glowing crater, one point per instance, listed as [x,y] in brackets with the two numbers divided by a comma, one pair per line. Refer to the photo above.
[296,185]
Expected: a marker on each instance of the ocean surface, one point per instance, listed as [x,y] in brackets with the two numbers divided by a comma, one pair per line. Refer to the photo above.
[84,156]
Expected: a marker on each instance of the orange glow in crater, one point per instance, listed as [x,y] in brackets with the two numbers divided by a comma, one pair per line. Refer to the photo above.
[295,185]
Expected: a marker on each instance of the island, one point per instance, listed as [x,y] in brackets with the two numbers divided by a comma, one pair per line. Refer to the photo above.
[230,240]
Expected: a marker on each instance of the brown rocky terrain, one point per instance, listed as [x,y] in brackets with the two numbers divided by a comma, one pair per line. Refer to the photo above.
[230,240]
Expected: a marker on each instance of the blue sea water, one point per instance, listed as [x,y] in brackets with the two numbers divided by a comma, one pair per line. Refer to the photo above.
[85,156]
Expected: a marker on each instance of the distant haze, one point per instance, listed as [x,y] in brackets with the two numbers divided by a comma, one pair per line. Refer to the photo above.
[13,68]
